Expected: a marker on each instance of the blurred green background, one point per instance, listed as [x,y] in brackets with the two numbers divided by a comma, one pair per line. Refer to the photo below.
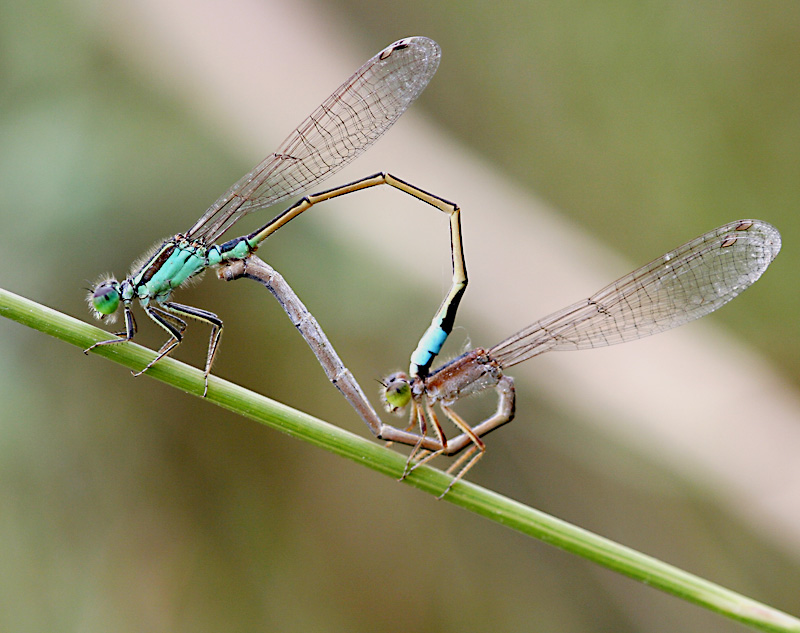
[127,506]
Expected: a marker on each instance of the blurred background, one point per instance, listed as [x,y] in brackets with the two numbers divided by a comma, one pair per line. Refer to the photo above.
[566,132]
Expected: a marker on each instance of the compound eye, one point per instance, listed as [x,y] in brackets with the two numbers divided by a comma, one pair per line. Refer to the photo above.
[105,298]
[396,392]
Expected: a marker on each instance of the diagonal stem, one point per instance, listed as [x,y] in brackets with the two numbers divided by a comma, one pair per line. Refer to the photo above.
[487,503]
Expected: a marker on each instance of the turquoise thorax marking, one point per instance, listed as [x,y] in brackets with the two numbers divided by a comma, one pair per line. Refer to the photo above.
[127,292]
[179,259]
[173,264]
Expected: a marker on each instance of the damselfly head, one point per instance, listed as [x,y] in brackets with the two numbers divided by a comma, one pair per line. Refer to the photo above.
[396,392]
[104,299]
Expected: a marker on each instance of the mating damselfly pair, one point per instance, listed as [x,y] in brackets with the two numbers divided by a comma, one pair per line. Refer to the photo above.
[686,283]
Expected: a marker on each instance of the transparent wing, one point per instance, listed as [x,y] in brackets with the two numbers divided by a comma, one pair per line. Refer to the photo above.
[685,284]
[345,125]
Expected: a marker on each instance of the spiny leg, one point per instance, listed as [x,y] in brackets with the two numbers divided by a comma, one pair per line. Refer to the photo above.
[126,335]
[216,332]
[171,324]
[470,436]
[175,326]
[426,456]
[506,408]
[416,418]
[468,459]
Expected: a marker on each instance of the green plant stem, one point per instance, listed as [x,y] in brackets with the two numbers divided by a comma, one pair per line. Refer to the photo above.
[489,504]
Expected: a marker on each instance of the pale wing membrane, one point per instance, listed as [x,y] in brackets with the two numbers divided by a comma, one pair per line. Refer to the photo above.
[339,130]
[685,284]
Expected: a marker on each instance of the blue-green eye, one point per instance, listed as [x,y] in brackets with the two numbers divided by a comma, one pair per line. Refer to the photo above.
[105,298]
[396,392]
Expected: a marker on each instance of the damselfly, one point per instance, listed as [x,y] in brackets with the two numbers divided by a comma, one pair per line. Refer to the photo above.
[339,130]
[680,286]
